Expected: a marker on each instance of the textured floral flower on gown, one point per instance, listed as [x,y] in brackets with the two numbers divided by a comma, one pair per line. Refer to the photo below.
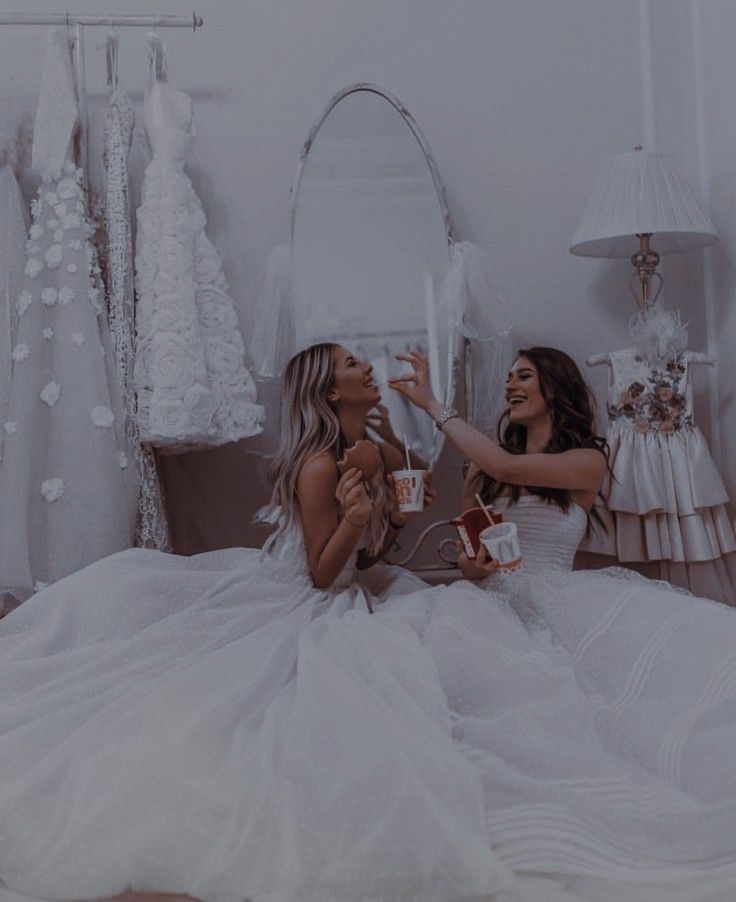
[190,375]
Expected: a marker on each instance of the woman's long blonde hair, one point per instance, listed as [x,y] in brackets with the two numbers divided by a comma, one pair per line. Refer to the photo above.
[309,425]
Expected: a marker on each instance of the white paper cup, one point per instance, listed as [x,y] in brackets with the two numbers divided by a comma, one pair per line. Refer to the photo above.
[409,486]
[501,541]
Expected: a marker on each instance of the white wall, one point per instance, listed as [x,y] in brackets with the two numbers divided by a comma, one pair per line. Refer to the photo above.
[520,100]
[695,74]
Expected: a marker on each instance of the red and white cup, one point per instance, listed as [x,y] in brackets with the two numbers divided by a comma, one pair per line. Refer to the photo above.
[409,488]
[501,541]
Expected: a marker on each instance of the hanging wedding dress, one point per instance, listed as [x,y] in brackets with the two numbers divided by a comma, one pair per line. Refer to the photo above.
[13,235]
[65,496]
[190,376]
[221,728]
[152,528]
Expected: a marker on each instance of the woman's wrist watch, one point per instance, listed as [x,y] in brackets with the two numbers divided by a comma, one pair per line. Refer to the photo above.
[447,413]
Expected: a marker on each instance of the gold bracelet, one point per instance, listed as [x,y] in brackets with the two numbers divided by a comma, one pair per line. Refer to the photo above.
[356,525]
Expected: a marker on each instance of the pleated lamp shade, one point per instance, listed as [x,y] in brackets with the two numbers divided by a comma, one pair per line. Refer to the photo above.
[636,193]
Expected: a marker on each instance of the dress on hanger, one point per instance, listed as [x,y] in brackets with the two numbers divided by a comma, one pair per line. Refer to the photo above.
[152,528]
[190,376]
[221,728]
[13,235]
[65,490]
[667,501]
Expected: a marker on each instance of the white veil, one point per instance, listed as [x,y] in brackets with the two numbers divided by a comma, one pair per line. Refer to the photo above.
[476,309]
[481,315]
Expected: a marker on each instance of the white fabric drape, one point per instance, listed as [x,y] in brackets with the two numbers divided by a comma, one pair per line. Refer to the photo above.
[13,234]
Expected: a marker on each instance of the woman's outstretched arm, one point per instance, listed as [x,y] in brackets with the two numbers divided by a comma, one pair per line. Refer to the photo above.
[329,542]
[579,469]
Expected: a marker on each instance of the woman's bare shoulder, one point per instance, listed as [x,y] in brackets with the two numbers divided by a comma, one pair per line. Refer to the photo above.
[319,466]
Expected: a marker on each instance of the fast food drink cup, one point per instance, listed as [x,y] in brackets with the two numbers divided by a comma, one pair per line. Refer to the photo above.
[409,486]
[501,541]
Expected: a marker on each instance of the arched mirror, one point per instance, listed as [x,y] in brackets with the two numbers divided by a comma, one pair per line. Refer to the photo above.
[371,241]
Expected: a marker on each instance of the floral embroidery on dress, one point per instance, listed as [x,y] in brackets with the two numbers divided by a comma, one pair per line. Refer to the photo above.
[52,489]
[24,302]
[102,416]
[660,406]
[53,256]
[50,393]
[33,267]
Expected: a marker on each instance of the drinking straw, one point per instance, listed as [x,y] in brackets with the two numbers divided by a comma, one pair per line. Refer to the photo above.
[406,451]
[485,509]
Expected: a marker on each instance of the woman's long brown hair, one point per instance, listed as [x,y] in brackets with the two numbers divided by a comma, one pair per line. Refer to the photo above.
[572,409]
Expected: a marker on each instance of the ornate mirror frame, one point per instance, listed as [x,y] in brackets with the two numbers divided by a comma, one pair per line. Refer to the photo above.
[457,345]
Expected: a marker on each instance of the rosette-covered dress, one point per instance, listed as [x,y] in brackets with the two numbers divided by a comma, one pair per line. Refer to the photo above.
[191,381]
[67,493]
[667,501]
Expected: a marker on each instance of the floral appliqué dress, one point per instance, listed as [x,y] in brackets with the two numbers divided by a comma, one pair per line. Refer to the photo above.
[667,502]
[67,492]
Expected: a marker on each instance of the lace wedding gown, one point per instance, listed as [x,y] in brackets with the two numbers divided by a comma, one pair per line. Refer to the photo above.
[152,527]
[221,728]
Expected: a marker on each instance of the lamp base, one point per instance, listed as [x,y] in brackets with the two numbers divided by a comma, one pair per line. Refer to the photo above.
[645,260]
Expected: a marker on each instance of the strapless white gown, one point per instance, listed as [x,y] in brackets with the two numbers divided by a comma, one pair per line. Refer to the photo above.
[214,725]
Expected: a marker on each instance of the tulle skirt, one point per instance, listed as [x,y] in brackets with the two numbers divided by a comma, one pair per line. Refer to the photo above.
[215,726]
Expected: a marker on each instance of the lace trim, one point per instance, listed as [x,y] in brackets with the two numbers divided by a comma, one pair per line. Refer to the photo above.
[152,528]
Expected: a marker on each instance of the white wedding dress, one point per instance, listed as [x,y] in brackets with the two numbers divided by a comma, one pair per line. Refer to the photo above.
[66,492]
[214,725]
[190,376]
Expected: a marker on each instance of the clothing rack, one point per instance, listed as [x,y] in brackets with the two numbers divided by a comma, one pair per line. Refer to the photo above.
[194,21]
[80,22]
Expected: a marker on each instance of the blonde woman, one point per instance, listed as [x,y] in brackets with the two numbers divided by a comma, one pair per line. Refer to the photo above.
[326,397]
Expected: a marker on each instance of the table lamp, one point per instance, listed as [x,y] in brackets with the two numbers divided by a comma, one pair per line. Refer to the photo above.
[641,198]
